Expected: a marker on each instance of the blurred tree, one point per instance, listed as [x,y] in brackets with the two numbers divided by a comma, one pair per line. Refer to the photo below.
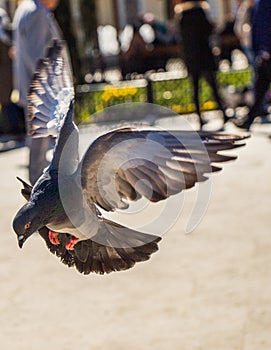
[81,35]
[64,17]
[89,25]
[132,11]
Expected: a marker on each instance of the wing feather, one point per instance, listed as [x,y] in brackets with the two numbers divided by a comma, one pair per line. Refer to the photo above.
[51,92]
[127,164]
[104,253]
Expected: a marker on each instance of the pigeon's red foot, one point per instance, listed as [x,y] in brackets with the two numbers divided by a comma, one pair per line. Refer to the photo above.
[71,243]
[53,237]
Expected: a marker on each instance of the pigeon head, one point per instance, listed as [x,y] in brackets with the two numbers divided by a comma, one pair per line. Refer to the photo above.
[43,206]
[26,222]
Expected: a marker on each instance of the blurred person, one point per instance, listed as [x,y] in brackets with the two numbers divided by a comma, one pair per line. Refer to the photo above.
[196,30]
[261,43]
[142,55]
[5,27]
[242,28]
[228,41]
[34,28]
[163,34]
[134,58]
[5,61]
[12,121]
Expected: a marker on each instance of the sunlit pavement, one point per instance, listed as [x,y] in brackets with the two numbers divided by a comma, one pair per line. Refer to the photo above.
[208,290]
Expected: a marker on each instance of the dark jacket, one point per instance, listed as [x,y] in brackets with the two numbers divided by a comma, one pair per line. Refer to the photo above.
[261,27]
[5,60]
[195,32]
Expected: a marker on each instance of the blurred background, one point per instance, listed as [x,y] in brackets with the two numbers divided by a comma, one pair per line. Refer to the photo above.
[97,30]
[209,290]
[107,71]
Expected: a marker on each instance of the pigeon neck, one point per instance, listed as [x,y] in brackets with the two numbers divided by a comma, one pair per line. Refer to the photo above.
[65,159]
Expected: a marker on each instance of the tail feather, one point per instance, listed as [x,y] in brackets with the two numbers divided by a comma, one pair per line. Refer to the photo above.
[113,248]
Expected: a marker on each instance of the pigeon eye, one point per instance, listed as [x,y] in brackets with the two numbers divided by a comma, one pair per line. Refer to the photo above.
[27,226]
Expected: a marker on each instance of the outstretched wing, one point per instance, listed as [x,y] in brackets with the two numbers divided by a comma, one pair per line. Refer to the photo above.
[91,256]
[126,164]
[50,107]
[51,92]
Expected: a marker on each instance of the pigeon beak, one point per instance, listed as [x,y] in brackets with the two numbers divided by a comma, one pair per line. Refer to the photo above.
[21,240]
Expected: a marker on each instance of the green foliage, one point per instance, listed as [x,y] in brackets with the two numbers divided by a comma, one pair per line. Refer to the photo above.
[176,94]
[104,96]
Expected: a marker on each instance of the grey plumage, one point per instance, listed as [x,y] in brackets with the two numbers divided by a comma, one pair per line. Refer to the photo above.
[119,167]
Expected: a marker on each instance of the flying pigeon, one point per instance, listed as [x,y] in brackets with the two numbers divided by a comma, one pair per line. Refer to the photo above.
[119,167]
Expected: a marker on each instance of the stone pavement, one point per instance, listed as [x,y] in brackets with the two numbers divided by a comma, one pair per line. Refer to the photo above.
[210,290]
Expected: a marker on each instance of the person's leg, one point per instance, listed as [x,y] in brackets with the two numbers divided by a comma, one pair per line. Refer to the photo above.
[37,152]
[262,82]
[261,86]
[195,82]
[211,80]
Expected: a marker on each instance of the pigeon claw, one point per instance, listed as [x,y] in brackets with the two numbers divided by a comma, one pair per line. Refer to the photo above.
[53,237]
[71,243]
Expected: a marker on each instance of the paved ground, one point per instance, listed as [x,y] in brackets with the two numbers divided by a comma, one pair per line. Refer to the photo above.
[208,290]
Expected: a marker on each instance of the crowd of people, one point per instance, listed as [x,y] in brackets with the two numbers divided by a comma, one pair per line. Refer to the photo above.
[24,42]
[252,27]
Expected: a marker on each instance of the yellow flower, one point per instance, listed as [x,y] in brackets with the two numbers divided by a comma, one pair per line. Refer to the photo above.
[116,92]
[106,96]
[209,105]
[132,90]
[99,108]
[123,92]
[190,107]
[177,108]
